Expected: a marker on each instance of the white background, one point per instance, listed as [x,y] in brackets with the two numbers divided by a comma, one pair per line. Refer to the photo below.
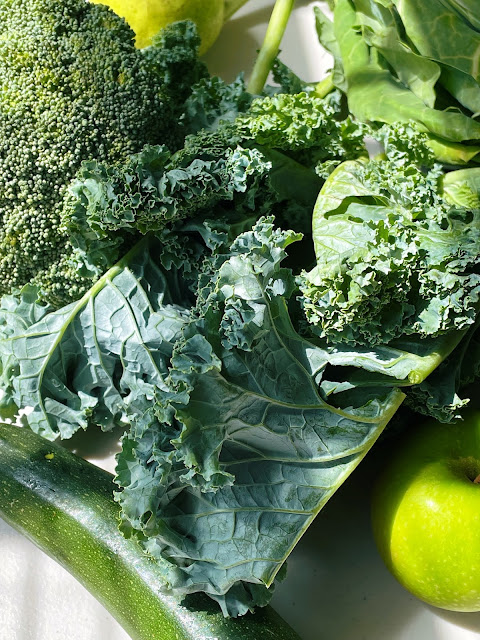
[337,587]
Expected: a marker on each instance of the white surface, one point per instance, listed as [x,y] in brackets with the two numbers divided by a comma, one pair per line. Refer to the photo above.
[337,587]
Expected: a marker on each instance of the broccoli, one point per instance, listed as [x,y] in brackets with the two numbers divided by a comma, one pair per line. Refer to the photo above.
[75,88]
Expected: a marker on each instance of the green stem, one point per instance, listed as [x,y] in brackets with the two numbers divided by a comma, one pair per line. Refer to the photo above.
[231,7]
[271,45]
[324,87]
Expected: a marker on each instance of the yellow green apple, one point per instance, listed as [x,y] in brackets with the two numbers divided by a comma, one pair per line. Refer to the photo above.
[147,17]
[426,514]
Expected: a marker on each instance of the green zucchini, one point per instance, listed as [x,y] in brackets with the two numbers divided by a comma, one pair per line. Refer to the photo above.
[65,506]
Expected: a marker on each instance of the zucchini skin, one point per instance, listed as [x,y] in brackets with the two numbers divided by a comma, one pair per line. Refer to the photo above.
[64,505]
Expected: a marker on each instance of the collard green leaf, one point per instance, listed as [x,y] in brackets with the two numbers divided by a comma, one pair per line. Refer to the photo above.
[380,30]
[454,153]
[264,435]
[441,34]
[374,94]
[326,36]
[462,87]
[468,9]
[406,62]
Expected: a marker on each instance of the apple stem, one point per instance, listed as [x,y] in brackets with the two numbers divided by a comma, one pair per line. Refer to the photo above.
[477,479]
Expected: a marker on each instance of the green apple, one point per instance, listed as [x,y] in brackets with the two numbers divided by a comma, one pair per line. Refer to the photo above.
[147,17]
[426,514]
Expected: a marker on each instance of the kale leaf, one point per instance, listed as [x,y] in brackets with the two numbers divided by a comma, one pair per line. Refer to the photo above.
[394,257]
[239,429]
[87,362]
[258,437]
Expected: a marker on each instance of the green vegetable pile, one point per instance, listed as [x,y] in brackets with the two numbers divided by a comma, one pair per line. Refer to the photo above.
[171,279]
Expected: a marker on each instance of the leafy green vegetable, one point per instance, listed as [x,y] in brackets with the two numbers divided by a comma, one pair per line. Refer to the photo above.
[65,364]
[326,35]
[261,160]
[443,394]
[462,187]
[258,448]
[401,61]
[213,102]
[235,427]
[308,128]
[393,257]
[151,190]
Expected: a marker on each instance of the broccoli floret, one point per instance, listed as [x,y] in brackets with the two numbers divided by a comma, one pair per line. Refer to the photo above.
[75,88]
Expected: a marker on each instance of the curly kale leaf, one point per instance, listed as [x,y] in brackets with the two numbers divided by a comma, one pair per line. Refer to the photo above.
[263,161]
[94,360]
[232,167]
[405,144]
[310,129]
[108,206]
[288,81]
[393,257]
[213,102]
[252,437]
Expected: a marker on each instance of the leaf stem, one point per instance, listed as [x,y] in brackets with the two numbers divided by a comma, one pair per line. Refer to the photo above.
[324,87]
[271,45]
[231,7]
